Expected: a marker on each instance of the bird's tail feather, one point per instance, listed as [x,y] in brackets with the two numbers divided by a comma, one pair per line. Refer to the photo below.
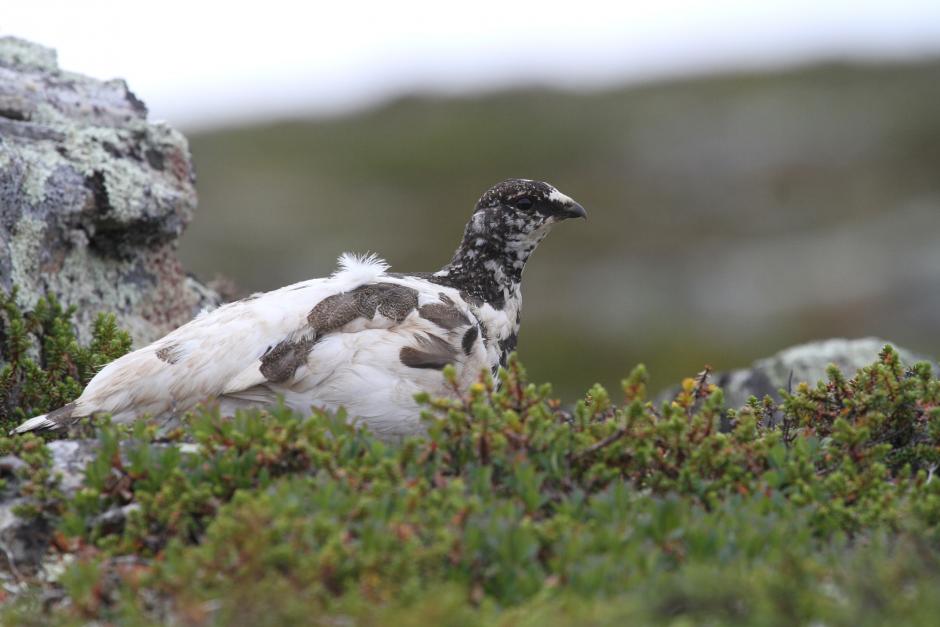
[37,423]
[53,421]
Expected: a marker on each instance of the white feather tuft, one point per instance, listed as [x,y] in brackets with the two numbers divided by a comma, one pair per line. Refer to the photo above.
[360,269]
[39,423]
[557,196]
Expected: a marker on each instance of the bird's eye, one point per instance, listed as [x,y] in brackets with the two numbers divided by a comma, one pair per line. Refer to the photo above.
[524,203]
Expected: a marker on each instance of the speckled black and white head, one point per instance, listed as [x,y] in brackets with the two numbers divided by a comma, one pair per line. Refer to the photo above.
[517,214]
[509,221]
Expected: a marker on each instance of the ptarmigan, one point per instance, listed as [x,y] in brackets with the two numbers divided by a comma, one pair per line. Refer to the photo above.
[364,338]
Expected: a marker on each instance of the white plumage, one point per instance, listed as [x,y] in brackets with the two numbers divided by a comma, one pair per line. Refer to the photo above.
[362,339]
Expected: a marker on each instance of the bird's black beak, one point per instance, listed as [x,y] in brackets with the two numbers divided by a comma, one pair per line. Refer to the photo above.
[573,210]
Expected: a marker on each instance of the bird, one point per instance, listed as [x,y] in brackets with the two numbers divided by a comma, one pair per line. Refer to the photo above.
[363,339]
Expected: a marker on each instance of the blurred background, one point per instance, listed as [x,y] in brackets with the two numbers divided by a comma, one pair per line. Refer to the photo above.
[756,174]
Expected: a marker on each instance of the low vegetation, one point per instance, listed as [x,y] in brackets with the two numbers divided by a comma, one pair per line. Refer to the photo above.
[822,508]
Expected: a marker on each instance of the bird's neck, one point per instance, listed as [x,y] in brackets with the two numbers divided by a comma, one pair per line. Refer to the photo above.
[487,270]
[491,280]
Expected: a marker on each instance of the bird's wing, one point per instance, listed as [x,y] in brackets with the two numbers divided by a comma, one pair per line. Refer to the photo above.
[369,350]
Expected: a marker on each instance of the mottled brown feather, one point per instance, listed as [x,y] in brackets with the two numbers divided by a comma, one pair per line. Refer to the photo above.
[431,352]
[280,363]
[391,300]
[445,316]
[171,353]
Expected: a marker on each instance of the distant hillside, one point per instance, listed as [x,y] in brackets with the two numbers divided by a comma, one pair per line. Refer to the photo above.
[729,216]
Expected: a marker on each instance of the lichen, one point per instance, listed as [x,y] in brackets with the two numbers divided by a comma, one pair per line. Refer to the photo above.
[16,52]
[25,249]
[37,170]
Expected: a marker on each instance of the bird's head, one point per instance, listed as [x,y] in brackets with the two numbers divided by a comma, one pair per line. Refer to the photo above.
[509,221]
[516,214]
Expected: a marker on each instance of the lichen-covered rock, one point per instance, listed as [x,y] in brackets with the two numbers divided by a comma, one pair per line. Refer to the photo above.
[24,541]
[92,197]
[805,363]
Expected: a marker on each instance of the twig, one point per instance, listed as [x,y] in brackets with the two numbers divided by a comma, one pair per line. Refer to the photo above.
[13,569]
[610,439]
[701,385]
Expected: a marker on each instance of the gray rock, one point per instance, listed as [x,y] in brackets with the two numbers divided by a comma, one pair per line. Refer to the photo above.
[113,520]
[24,542]
[805,363]
[92,197]
[69,460]
[10,465]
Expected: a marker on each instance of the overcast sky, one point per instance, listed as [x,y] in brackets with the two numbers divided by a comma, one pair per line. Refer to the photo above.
[201,62]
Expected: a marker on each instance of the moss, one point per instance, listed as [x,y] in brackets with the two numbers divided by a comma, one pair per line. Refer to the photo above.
[515,511]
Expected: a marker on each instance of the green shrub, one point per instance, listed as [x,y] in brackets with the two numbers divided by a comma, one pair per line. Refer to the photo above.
[42,364]
[514,511]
